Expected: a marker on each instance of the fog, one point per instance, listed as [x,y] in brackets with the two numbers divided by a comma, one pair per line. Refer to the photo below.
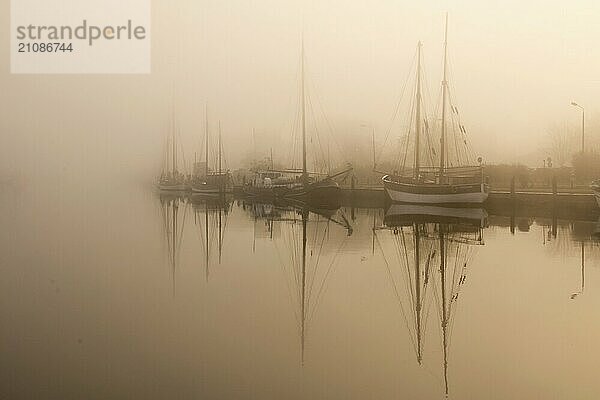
[516,66]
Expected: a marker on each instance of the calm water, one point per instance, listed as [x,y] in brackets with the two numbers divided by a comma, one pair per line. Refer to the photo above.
[134,296]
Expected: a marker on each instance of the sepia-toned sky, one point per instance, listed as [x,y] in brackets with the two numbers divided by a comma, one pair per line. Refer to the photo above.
[515,65]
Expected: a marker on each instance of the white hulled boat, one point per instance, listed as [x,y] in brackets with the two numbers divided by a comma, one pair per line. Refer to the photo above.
[443,181]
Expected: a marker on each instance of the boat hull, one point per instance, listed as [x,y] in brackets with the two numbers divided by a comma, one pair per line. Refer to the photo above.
[323,193]
[435,194]
[203,190]
[408,214]
[173,188]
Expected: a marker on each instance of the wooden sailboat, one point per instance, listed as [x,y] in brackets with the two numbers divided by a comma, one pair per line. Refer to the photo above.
[444,183]
[206,182]
[315,189]
[171,179]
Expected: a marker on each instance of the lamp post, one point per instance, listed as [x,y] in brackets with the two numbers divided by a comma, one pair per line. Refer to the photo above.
[582,125]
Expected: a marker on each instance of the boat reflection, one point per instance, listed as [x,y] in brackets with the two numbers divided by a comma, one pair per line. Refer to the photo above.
[174,210]
[427,251]
[210,219]
[308,242]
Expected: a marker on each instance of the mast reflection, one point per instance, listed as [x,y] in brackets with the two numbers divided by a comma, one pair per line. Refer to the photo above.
[173,211]
[210,218]
[308,243]
[427,249]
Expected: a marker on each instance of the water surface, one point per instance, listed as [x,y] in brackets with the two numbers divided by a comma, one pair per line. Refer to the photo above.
[131,295]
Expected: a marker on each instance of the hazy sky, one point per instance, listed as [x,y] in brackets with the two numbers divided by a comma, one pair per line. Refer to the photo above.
[516,66]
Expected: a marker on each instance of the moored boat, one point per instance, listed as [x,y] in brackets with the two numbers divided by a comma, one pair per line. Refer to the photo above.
[205,181]
[171,179]
[443,181]
[297,184]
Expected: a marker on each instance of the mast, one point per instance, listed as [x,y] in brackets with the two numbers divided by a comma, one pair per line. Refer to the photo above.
[445,311]
[444,100]
[219,147]
[206,233]
[417,165]
[206,139]
[418,290]
[304,171]
[220,235]
[174,241]
[174,143]
[303,306]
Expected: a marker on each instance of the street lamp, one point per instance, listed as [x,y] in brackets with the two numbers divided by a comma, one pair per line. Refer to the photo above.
[582,125]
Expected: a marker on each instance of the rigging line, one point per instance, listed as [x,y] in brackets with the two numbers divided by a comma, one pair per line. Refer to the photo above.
[318,145]
[321,289]
[426,305]
[397,108]
[316,265]
[429,143]
[411,335]
[438,125]
[292,247]
[286,272]
[451,328]
[406,279]
[200,234]
[292,264]
[409,275]
[331,129]
[295,133]
[406,145]
[315,145]
[167,227]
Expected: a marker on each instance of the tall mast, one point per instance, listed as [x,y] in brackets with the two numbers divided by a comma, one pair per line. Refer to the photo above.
[444,100]
[220,148]
[206,233]
[418,290]
[206,138]
[304,171]
[174,143]
[445,307]
[305,214]
[418,115]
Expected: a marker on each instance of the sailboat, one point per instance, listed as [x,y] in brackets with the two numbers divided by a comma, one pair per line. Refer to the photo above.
[171,179]
[444,183]
[204,181]
[298,184]
[433,258]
